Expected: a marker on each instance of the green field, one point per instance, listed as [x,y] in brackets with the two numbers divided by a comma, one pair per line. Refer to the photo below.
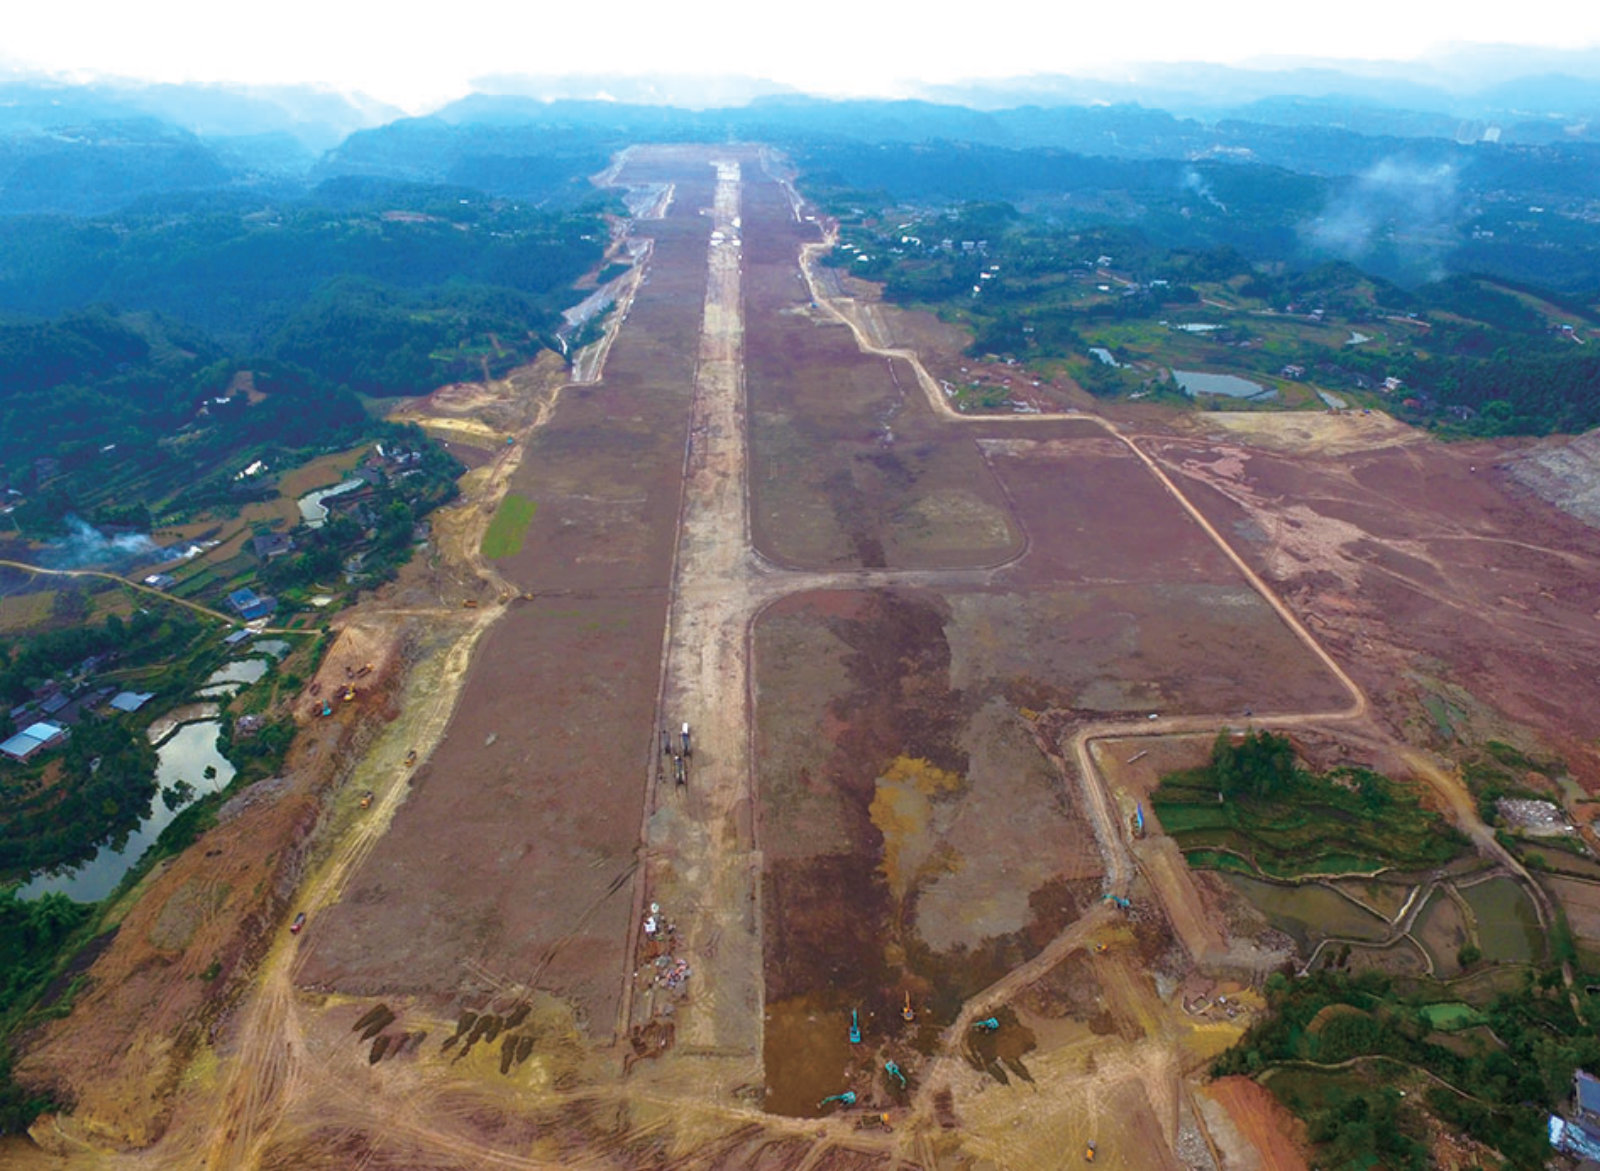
[509,527]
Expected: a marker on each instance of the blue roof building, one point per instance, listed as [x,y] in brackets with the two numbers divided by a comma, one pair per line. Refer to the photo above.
[131,701]
[33,738]
[250,606]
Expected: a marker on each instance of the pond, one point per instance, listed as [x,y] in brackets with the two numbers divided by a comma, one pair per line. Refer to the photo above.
[186,756]
[1309,912]
[1229,385]
[314,512]
[1508,927]
[1106,357]
[232,678]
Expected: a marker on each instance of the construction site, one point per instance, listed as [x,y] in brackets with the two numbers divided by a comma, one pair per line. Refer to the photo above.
[784,800]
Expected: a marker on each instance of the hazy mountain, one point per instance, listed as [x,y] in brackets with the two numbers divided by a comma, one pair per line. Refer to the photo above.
[1489,82]
[685,92]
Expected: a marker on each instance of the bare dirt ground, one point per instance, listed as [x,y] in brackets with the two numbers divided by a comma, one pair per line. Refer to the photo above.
[919,652]
[1466,608]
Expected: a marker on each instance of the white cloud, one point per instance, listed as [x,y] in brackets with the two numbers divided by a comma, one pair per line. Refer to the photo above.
[418,55]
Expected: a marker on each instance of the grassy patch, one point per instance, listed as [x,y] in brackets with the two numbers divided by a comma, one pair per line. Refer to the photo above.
[1449,1017]
[509,526]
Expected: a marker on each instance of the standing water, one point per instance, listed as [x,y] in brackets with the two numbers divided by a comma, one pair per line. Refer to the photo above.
[186,756]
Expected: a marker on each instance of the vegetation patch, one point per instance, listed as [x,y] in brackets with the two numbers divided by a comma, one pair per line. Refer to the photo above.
[509,527]
[1255,803]
[1330,1040]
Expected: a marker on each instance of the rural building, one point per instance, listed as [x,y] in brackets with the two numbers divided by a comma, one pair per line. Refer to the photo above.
[1586,1101]
[237,637]
[160,581]
[131,701]
[32,739]
[1578,1134]
[272,545]
[250,606]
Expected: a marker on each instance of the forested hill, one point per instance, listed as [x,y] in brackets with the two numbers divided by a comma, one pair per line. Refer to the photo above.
[245,269]
[121,337]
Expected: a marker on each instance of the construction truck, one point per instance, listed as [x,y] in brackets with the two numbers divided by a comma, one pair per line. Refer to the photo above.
[686,749]
[1088,1153]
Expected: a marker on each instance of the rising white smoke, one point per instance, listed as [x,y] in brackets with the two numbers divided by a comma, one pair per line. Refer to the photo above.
[1411,206]
[86,545]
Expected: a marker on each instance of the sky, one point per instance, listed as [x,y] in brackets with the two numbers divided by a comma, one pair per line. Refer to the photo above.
[419,57]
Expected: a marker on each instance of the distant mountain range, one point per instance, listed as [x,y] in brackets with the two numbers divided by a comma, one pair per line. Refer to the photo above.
[85,149]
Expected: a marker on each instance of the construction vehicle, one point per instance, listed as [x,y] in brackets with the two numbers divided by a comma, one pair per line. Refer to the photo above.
[680,770]
[365,670]
[906,1013]
[848,1098]
[893,1071]
[327,708]
[1088,1153]
[411,757]
[686,750]
[989,1025]
[855,1028]
[470,604]
[666,743]
[349,694]
[366,799]
[1138,820]
[299,922]
[1119,902]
